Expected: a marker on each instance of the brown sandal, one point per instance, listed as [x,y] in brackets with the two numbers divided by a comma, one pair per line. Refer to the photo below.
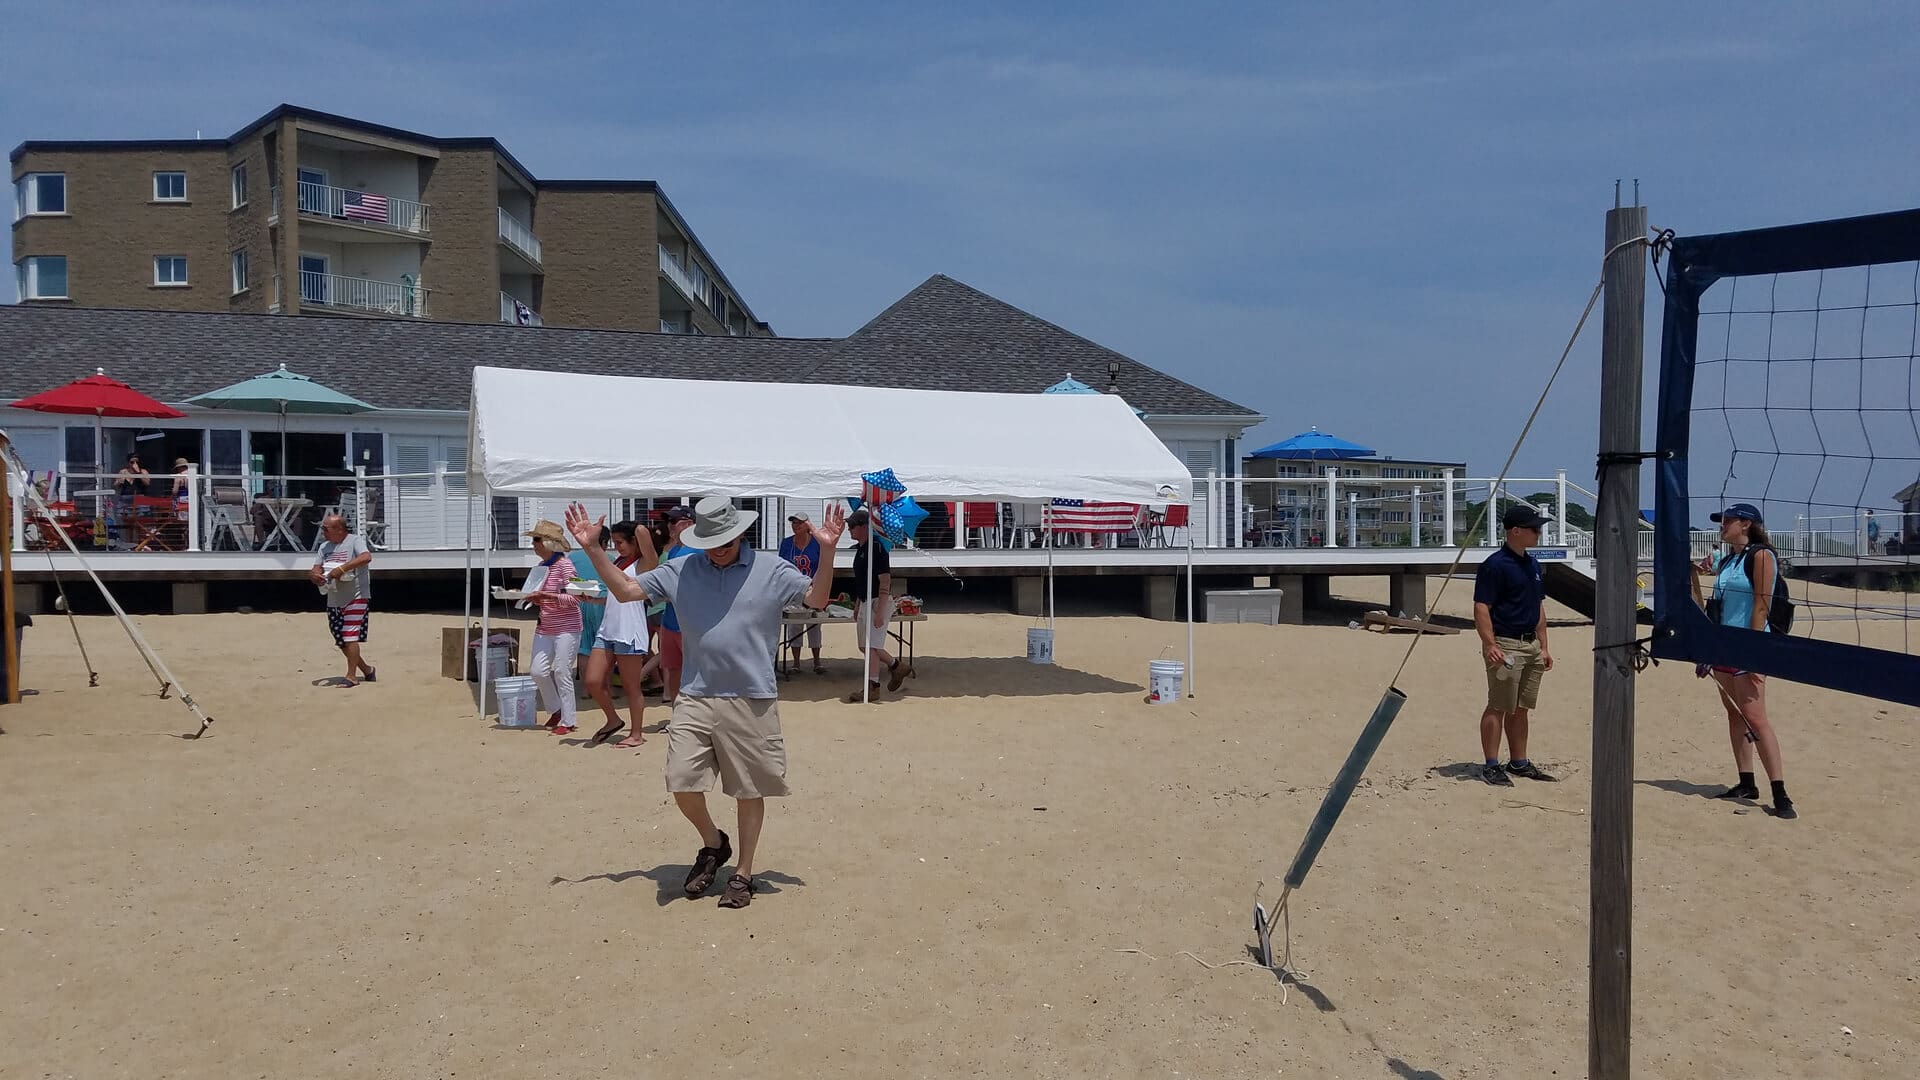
[739,892]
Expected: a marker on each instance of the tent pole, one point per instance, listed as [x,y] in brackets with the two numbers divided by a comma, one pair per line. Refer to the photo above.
[1046,520]
[486,597]
[866,658]
[466,598]
[1190,613]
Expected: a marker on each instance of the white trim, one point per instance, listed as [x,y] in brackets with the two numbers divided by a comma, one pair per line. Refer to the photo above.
[237,180]
[239,271]
[158,197]
[26,182]
[185,278]
[27,278]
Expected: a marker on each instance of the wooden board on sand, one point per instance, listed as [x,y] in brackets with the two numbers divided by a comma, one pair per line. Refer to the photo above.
[1381,622]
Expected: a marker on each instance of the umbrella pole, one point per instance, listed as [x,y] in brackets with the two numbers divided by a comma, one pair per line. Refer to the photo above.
[283,451]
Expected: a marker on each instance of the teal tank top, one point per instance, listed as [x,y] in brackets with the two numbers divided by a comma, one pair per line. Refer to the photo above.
[1735,593]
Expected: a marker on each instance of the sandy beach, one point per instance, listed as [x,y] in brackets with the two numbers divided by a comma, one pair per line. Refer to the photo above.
[1007,871]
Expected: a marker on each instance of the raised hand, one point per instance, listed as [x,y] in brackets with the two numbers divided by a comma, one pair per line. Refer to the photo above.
[585,529]
[832,524]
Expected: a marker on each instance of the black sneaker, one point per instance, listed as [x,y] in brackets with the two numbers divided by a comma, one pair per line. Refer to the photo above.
[1740,791]
[706,866]
[1531,771]
[1495,775]
[1783,808]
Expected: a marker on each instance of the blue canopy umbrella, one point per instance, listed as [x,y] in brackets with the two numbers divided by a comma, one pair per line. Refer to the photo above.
[1071,385]
[1315,445]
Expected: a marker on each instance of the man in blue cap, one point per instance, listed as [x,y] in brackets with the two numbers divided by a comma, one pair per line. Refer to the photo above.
[1509,611]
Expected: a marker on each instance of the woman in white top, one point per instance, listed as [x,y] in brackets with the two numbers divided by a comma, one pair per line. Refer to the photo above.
[622,640]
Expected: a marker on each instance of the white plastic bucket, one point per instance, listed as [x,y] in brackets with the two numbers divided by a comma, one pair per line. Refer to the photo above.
[1166,681]
[519,704]
[1039,645]
[499,661]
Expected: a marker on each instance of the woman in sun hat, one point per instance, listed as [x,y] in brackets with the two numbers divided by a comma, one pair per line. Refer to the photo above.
[1742,595]
[556,636]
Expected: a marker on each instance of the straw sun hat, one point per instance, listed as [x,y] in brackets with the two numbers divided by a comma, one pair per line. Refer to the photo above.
[554,535]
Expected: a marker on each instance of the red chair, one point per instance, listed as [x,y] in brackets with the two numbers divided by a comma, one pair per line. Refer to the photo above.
[1164,524]
[983,518]
[158,524]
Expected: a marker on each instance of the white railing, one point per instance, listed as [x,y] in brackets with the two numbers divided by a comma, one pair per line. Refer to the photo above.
[432,510]
[690,280]
[404,298]
[519,236]
[510,309]
[357,207]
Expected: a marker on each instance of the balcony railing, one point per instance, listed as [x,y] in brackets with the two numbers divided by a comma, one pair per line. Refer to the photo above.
[512,309]
[690,280]
[515,234]
[403,298]
[352,207]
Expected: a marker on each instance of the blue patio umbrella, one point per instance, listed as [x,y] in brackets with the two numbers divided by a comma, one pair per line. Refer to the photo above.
[1071,385]
[1315,445]
[283,392]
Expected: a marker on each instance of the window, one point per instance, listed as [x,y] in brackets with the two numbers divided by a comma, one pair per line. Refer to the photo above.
[43,277]
[40,193]
[240,185]
[240,272]
[169,187]
[169,269]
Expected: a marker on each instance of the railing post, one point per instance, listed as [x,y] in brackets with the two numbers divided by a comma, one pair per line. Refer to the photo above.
[1493,512]
[1333,500]
[1353,519]
[193,509]
[1560,480]
[360,503]
[1446,510]
[1416,517]
[17,525]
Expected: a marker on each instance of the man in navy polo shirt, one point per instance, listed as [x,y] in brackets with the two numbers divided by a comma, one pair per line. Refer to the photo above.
[1509,611]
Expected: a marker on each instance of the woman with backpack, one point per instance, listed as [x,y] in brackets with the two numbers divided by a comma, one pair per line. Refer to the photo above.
[1744,583]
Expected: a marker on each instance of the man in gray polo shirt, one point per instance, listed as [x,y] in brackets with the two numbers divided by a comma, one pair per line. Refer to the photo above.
[726,721]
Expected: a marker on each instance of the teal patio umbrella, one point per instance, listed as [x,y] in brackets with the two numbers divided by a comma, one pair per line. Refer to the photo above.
[283,392]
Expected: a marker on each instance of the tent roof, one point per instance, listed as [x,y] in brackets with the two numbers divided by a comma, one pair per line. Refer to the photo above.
[555,434]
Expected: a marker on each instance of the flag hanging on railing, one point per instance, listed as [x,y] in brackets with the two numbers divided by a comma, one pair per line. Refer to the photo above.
[522,314]
[364,206]
[1079,515]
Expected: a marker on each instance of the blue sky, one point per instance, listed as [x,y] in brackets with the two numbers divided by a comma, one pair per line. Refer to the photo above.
[1380,219]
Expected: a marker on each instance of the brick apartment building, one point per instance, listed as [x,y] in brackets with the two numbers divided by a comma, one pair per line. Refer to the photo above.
[302,211]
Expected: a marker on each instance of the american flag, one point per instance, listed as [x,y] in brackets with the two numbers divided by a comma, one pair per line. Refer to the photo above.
[1079,515]
[365,206]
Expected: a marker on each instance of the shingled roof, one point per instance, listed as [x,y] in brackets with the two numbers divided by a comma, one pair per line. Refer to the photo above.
[942,335]
[945,335]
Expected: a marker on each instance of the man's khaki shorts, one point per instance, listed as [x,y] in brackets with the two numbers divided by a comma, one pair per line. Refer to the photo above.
[738,738]
[1516,687]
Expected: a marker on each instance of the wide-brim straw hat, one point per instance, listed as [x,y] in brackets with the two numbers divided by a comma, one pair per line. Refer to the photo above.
[717,523]
[554,535]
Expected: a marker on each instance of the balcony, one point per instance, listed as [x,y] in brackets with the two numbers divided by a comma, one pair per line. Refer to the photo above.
[365,296]
[346,206]
[519,239]
[692,281]
[510,312]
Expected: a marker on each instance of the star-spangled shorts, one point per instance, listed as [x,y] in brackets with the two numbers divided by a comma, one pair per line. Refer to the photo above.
[348,623]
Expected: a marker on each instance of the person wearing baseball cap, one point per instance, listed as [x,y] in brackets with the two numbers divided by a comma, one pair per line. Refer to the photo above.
[726,721]
[1509,611]
[803,551]
[1743,581]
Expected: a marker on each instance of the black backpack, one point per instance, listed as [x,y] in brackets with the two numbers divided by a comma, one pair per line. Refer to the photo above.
[1780,611]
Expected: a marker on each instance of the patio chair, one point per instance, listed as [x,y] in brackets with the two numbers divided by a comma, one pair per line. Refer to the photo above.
[1023,528]
[227,518]
[1165,524]
[983,519]
[157,524]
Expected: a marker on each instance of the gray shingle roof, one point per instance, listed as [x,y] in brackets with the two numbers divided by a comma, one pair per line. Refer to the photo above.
[943,335]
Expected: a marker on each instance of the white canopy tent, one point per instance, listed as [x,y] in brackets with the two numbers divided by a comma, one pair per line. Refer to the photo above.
[550,434]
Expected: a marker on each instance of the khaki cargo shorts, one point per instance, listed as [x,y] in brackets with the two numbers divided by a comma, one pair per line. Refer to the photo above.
[1516,687]
[737,738]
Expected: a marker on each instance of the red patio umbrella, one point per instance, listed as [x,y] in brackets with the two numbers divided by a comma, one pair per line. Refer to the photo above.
[100,397]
